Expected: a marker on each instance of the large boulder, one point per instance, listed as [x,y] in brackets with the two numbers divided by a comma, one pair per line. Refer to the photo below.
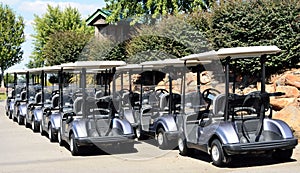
[280,103]
[290,91]
[293,80]
[291,115]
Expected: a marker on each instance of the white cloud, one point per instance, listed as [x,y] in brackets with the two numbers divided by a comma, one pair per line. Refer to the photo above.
[10,2]
[40,7]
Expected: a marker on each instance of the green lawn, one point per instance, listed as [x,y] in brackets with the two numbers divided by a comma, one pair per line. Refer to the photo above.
[2,96]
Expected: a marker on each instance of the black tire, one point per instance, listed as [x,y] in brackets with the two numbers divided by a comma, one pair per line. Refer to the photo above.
[10,115]
[182,147]
[51,135]
[161,139]
[20,120]
[26,123]
[139,133]
[217,154]
[41,130]
[59,139]
[282,155]
[35,126]
[75,150]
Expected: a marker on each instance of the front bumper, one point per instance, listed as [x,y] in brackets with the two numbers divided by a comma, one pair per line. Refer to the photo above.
[232,149]
[105,140]
[172,135]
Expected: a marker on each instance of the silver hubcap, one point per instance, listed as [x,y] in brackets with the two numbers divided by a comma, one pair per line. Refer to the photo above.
[58,136]
[215,153]
[180,144]
[71,144]
[33,125]
[160,138]
[50,133]
[137,132]
[41,129]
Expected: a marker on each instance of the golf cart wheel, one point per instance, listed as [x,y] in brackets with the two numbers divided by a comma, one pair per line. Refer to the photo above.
[139,134]
[282,155]
[10,115]
[161,139]
[60,142]
[34,126]
[73,146]
[182,147]
[217,154]
[26,123]
[51,136]
[41,129]
[20,120]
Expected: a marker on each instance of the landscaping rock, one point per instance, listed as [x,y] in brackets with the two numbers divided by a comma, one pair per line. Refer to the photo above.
[290,91]
[291,115]
[280,103]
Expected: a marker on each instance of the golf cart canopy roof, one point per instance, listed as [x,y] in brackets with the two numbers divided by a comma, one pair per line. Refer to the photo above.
[45,69]
[18,71]
[92,65]
[173,62]
[133,67]
[235,53]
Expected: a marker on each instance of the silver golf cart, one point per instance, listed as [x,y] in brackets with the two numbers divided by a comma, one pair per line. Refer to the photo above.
[91,120]
[233,124]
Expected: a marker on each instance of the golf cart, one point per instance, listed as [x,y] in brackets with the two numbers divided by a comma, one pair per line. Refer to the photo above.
[42,99]
[155,115]
[90,119]
[15,94]
[233,124]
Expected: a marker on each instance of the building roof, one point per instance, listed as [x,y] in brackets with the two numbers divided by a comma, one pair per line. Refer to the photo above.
[98,17]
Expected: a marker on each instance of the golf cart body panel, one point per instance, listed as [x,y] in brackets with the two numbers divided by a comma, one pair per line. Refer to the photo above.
[235,124]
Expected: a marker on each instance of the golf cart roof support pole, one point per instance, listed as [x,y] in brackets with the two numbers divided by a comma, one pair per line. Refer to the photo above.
[114,86]
[83,85]
[60,88]
[129,79]
[141,89]
[27,85]
[105,82]
[15,84]
[183,89]
[234,77]
[263,73]
[112,71]
[6,83]
[199,84]
[227,62]
[122,80]
[42,86]
[170,94]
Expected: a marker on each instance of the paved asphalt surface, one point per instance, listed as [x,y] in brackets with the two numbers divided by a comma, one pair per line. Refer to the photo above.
[21,150]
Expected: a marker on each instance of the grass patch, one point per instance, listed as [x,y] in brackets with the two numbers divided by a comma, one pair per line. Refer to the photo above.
[2,96]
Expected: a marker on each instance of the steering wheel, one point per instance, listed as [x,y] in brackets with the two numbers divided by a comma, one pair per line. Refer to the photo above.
[54,92]
[163,91]
[210,91]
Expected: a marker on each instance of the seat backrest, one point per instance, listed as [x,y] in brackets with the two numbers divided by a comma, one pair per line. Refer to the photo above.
[99,94]
[23,95]
[55,101]
[219,105]
[163,102]
[77,105]
[38,97]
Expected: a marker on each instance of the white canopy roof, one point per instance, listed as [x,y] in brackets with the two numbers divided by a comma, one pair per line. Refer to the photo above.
[236,52]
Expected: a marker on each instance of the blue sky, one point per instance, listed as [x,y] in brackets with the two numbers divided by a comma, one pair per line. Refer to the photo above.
[27,9]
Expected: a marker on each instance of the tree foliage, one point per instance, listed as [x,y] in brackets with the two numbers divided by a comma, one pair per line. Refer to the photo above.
[64,47]
[172,37]
[139,8]
[11,38]
[53,21]
[254,23]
